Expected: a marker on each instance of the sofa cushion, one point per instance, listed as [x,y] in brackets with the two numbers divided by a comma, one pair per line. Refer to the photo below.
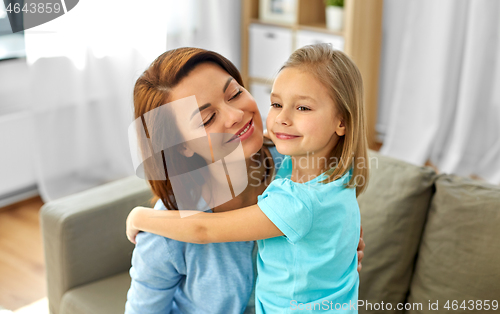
[106,296]
[393,212]
[459,254]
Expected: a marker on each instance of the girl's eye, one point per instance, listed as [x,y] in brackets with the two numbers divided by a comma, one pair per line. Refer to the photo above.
[205,124]
[236,95]
[275,105]
[302,108]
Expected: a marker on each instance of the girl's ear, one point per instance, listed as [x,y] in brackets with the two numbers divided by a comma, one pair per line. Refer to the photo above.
[186,151]
[340,129]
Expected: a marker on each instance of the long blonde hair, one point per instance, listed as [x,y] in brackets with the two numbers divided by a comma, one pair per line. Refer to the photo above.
[338,73]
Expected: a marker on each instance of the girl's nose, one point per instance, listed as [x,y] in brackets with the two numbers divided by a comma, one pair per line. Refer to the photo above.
[283,118]
[233,116]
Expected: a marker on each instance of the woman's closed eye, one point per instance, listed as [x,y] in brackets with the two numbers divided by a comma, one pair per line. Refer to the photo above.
[236,94]
[212,116]
[209,121]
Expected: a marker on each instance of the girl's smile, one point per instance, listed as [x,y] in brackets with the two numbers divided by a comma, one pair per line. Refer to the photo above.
[285,136]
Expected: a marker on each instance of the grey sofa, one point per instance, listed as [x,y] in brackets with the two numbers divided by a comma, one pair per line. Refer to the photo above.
[429,237]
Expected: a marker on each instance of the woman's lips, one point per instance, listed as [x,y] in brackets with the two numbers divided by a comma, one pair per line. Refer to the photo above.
[245,132]
[284,136]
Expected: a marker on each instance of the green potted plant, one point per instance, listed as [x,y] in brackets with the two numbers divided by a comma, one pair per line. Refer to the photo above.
[334,14]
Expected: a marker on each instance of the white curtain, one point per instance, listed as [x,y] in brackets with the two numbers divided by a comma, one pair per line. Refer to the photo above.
[209,24]
[440,95]
[83,68]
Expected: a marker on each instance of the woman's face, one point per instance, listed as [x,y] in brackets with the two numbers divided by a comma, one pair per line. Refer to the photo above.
[224,106]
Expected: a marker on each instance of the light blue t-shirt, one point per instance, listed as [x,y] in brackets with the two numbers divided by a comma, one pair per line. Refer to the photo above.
[313,267]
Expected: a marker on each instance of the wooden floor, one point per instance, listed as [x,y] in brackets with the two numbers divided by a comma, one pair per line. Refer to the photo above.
[22,270]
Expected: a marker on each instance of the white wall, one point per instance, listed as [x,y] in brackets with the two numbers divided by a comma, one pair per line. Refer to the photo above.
[16,168]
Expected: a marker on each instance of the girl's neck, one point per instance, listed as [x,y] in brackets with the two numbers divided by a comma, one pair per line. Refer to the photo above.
[260,169]
[307,167]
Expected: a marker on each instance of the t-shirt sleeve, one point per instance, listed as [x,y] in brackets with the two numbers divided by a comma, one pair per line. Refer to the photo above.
[154,276]
[283,203]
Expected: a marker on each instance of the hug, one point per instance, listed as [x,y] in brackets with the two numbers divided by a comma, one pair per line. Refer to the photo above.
[305,219]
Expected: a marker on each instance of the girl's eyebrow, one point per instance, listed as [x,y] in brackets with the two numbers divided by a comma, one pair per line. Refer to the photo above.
[297,97]
[305,98]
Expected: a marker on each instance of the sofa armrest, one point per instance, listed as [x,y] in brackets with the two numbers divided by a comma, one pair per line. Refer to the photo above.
[84,235]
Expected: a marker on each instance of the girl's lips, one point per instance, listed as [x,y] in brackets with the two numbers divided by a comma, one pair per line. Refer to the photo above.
[284,136]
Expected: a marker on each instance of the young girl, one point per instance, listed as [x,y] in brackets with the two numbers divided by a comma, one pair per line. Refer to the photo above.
[307,221]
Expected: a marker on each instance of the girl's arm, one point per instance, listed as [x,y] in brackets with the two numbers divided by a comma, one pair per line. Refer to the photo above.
[245,224]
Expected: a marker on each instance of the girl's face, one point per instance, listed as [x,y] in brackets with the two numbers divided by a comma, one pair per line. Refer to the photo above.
[302,119]
[224,106]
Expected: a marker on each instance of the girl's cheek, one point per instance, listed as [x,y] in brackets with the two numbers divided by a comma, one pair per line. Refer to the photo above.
[269,120]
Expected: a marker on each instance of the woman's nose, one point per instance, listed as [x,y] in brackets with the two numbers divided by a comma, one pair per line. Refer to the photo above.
[233,116]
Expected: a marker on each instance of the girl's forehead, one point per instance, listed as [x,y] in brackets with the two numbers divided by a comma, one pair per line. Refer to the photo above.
[298,81]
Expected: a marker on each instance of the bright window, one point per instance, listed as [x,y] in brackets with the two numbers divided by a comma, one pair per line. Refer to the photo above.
[11,45]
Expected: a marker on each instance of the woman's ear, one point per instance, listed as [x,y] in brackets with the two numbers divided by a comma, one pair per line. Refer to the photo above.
[186,151]
[340,128]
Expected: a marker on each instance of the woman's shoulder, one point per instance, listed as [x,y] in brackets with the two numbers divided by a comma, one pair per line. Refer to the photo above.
[155,247]
[267,139]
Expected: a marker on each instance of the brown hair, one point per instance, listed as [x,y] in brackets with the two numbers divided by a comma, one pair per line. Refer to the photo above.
[152,90]
[338,73]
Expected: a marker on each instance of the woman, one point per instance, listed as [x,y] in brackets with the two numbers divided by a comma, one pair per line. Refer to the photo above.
[176,277]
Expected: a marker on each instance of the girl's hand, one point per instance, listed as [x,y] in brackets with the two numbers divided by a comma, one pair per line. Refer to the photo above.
[131,230]
[361,248]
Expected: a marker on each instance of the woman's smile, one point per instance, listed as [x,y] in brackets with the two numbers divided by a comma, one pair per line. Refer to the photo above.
[224,107]
[245,132]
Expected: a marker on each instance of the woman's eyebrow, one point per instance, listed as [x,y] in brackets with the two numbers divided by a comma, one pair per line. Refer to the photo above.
[226,85]
[205,106]
[200,109]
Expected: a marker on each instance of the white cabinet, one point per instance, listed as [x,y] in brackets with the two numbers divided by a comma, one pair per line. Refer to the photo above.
[262,95]
[309,38]
[268,40]
[270,47]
